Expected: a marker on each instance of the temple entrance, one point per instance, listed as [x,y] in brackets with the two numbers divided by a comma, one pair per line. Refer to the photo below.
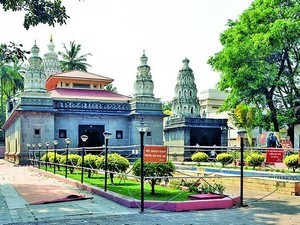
[95,134]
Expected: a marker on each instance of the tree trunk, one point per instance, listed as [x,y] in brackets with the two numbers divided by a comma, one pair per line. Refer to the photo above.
[153,182]
[111,178]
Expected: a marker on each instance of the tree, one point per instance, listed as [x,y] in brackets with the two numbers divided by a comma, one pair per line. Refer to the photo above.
[154,170]
[167,108]
[41,11]
[111,88]
[71,58]
[245,117]
[11,57]
[259,62]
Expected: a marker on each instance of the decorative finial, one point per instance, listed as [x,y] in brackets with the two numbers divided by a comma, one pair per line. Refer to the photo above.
[143,51]
[51,38]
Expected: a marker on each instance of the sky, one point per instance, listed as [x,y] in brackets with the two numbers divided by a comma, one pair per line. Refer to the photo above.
[116,32]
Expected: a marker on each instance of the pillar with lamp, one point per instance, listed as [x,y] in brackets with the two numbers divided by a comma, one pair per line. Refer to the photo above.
[83,139]
[107,135]
[55,142]
[47,158]
[28,149]
[242,134]
[68,141]
[142,128]
[39,162]
[33,149]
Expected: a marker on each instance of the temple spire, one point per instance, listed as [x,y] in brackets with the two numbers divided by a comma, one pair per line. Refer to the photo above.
[186,102]
[143,86]
[34,81]
[51,62]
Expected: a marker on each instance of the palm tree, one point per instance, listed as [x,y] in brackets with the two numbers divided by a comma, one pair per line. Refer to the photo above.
[111,88]
[71,58]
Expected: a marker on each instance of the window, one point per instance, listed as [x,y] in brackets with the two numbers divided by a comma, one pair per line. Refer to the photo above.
[77,85]
[119,134]
[62,133]
[37,132]
[148,134]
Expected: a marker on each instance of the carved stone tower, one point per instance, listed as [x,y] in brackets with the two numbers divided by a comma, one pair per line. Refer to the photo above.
[34,81]
[51,62]
[145,106]
[143,86]
[186,102]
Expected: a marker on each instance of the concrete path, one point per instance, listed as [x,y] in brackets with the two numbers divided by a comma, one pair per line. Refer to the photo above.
[272,209]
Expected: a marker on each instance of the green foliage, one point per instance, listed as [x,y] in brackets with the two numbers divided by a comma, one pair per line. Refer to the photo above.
[211,188]
[255,159]
[116,163]
[111,88]
[199,157]
[71,60]
[245,117]
[259,61]
[167,107]
[224,158]
[154,170]
[90,161]
[206,188]
[72,159]
[292,162]
[42,11]
[51,157]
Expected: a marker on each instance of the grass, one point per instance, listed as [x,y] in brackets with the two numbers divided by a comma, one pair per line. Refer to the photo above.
[127,187]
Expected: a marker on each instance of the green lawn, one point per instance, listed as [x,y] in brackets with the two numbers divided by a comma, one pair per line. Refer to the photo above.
[127,187]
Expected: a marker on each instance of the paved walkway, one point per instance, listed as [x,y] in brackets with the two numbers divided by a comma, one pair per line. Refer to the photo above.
[273,209]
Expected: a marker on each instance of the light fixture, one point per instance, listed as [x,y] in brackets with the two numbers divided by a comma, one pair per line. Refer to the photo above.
[107,135]
[142,128]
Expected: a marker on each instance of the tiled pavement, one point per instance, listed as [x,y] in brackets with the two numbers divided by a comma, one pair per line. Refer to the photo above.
[273,209]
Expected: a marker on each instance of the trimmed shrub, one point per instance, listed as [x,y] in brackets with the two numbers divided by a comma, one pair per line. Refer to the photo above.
[116,163]
[291,162]
[154,170]
[199,157]
[255,159]
[90,161]
[72,161]
[225,158]
[51,157]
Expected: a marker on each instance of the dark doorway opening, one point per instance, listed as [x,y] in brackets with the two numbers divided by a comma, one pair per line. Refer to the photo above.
[95,134]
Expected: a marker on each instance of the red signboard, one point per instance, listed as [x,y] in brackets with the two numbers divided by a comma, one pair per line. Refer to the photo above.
[155,153]
[274,155]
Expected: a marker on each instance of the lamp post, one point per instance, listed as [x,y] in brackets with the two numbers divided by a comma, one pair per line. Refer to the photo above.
[107,135]
[84,139]
[142,128]
[55,142]
[28,149]
[33,149]
[39,163]
[67,140]
[242,134]
[47,147]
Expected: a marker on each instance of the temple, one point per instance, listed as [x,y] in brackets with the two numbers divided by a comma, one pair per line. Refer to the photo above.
[55,105]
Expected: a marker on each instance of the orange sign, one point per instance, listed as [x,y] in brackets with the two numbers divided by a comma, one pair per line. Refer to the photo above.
[155,153]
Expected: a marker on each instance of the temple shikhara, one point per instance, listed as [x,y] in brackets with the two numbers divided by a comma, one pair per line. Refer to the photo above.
[55,105]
